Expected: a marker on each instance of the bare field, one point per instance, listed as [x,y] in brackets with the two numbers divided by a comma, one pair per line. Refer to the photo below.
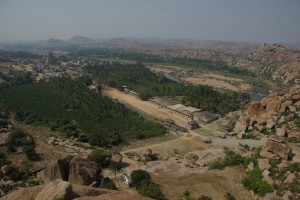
[172,148]
[214,183]
[165,68]
[218,83]
[210,79]
[221,77]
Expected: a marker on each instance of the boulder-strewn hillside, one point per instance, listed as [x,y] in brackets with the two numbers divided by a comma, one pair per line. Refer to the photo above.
[280,110]
[274,60]
[276,121]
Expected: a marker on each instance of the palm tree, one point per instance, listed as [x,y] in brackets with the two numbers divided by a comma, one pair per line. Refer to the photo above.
[115,167]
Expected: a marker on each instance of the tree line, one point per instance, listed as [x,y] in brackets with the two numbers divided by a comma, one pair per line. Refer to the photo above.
[179,60]
[148,84]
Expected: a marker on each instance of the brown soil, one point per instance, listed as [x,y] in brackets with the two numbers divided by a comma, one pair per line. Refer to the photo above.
[214,183]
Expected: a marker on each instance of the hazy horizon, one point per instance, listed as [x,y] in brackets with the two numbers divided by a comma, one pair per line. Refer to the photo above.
[274,21]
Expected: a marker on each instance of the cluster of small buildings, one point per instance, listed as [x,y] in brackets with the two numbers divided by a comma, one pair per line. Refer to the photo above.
[196,115]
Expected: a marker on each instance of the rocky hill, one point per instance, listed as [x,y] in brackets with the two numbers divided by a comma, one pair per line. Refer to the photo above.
[279,110]
[276,121]
[274,60]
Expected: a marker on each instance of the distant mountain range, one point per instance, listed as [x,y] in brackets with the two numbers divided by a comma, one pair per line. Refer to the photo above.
[74,41]
[81,40]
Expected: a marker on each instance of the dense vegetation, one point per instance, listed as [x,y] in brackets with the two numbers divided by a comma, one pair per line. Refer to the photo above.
[255,182]
[70,106]
[146,83]
[231,159]
[16,77]
[135,77]
[18,138]
[207,98]
[141,181]
[19,54]
[101,157]
[143,57]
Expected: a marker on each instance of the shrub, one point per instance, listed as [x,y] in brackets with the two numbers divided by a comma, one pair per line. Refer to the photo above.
[16,137]
[254,182]
[187,196]
[229,196]
[31,153]
[151,190]
[231,159]
[204,197]
[141,180]
[109,185]
[137,176]
[100,156]
[83,138]
[3,160]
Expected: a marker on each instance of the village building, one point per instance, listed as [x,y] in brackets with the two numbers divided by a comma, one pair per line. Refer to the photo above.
[171,123]
[159,102]
[205,117]
[184,110]
[192,124]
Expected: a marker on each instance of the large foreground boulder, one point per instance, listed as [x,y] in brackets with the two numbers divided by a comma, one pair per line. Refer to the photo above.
[115,196]
[279,149]
[62,190]
[56,170]
[82,171]
[28,193]
[57,189]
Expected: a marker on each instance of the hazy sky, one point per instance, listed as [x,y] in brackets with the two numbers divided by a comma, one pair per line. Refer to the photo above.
[241,20]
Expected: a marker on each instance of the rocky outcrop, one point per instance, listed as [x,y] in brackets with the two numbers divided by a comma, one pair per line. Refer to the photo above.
[82,171]
[263,164]
[59,189]
[10,172]
[296,158]
[283,63]
[56,170]
[290,179]
[265,114]
[281,132]
[279,149]
[294,134]
[283,165]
